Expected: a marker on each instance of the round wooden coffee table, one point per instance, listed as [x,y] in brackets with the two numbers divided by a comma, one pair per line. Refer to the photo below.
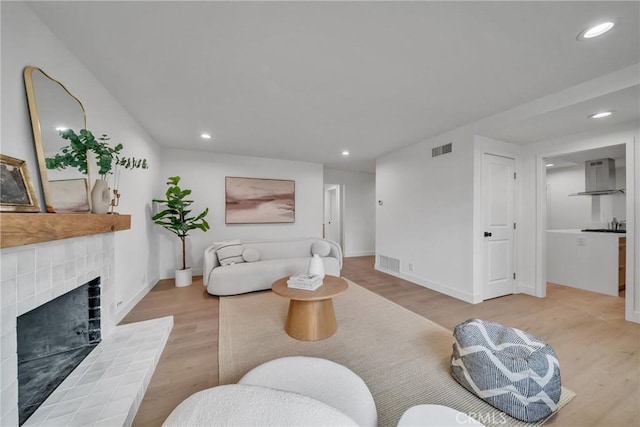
[311,316]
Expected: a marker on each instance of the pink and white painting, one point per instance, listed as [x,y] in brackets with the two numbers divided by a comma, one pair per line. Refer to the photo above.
[257,200]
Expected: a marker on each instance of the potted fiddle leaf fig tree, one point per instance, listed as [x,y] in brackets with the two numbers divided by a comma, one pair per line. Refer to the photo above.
[177,218]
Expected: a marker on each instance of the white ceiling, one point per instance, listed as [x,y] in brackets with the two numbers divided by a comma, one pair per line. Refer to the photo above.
[306,80]
[570,119]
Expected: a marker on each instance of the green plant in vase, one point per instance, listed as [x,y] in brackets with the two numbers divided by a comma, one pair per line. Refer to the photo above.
[75,155]
[177,218]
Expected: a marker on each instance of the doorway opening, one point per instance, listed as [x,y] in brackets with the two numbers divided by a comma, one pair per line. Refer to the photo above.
[332,225]
[594,260]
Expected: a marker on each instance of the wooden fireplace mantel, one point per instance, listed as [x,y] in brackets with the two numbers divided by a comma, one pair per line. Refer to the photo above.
[18,229]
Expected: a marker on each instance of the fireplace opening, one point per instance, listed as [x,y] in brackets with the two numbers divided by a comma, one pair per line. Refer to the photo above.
[52,340]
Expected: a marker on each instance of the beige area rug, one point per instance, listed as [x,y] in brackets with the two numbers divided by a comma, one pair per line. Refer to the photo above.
[401,356]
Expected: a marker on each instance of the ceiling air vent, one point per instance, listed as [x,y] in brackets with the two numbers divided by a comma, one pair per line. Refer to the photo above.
[443,149]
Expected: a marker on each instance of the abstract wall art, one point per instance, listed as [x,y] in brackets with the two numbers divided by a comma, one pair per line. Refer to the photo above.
[257,200]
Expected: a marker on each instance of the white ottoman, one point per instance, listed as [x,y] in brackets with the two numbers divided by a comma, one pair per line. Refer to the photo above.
[435,415]
[320,379]
[244,405]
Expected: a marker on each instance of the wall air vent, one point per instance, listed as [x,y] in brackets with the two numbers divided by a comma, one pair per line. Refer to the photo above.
[443,149]
[388,263]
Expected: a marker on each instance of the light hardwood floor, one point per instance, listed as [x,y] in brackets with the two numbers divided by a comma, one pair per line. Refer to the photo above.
[599,352]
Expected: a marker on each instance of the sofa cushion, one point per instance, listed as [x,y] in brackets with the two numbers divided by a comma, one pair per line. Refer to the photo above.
[230,252]
[321,248]
[508,368]
[251,255]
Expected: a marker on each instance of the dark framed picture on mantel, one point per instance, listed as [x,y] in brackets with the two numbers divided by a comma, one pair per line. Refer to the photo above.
[16,189]
[259,200]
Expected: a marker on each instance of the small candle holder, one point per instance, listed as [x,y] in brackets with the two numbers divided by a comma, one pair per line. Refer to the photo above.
[115,202]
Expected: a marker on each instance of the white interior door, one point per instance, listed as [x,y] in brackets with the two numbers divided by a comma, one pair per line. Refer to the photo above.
[498,190]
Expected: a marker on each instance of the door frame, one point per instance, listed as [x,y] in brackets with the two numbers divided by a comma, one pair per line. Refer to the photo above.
[513,254]
[632,159]
[482,146]
[340,199]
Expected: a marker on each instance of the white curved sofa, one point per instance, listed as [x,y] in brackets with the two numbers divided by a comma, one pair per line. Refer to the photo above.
[278,258]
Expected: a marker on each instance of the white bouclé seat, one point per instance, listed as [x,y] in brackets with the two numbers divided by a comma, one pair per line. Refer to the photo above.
[321,379]
[246,405]
[435,416]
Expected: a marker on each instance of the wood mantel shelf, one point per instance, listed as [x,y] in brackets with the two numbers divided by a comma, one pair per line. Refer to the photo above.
[18,229]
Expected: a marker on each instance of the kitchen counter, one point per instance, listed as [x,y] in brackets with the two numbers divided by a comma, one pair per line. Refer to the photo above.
[584,260]
[590,233]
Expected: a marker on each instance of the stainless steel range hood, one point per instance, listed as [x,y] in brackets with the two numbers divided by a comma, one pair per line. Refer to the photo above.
[600,178]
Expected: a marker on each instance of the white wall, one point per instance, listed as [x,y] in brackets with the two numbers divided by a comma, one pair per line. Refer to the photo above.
[204,173]
[619,201]
[531,203]
[27,41]
[359,210]
[578,212]
[427,214]
[564,211]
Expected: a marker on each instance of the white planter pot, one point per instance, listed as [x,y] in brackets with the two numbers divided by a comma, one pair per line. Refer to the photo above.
[100,197]
[183,277]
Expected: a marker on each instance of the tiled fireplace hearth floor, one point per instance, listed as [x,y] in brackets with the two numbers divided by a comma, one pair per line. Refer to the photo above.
[107,387]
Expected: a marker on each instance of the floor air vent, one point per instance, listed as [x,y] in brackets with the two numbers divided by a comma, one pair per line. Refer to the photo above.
[391,264]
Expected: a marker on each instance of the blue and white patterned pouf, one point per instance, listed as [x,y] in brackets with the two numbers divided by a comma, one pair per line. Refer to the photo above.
[508,368]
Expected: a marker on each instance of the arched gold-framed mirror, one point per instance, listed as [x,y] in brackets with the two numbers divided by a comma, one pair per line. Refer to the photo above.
[52,107]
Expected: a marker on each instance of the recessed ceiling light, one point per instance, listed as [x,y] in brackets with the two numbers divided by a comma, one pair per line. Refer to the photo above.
[346,153]
[205,136]
[61,128]
[601,114]
[549,165]
[597,30]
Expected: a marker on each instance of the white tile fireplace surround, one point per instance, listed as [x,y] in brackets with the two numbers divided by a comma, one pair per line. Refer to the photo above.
[107,387]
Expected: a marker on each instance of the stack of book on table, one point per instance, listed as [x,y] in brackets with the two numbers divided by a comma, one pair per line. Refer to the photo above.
[307,282]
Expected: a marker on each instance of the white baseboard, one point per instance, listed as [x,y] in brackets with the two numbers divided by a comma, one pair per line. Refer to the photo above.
[124,309]
[434,286]
[528,290]
[355,254]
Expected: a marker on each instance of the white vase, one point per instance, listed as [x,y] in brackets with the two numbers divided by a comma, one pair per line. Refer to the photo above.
[316,266]
[183,277]
[100,197]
